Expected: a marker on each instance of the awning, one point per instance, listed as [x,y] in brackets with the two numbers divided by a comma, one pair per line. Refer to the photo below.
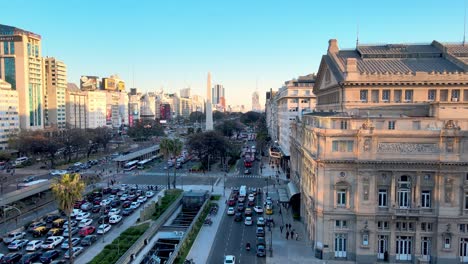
[283,195]
[292,190]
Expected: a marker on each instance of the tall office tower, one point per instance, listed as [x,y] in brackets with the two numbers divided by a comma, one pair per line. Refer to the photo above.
[9,121]
[185,93]
[21,66]
[218,97]
[256,102]
[54,93]
[209,111]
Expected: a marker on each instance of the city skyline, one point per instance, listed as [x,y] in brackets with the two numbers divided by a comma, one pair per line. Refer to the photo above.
[245,49]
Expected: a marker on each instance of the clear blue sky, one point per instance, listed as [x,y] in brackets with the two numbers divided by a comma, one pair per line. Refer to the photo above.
[173,44]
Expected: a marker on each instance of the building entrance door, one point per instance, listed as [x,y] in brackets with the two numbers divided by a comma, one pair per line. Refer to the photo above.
[382,246]
[464,250]
[340,246]
[403,248]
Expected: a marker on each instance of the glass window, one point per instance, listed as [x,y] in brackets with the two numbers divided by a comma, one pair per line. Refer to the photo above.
[455,95]
[341,197]
[6,48]
[443,95]
[386,95]
[465,95]
[382,198]
[344,124]
[375,96]
[408,95]
[426,199]
[12,47]
[10,72]
[365,239]
[342,146]
[397,96]
[431,95]
[363,95]
[447,242]
[391,125]
[466,201]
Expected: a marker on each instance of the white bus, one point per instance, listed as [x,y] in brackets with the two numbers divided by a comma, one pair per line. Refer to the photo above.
[141,164]
[131,165]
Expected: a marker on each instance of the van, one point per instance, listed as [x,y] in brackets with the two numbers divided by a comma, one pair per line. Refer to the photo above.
[21,160]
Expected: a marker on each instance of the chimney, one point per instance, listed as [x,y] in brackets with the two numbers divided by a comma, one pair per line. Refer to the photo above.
[351,68]
[333,46]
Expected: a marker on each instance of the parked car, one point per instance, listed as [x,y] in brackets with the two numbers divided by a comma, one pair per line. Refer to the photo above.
[126,204]
[85,222]
[72,223]
[260,232]
[18,244]
[261,251]
[58,222]
[248,221]
[30,258]
[49,256]
[52,242]
[75,241]
[231,211]
[127,211]
[74,231]
[87,230]
[75,212]
[258,209]
[124,197]
[135,205]
[149,194]
[88,240]
[86,206]
[114,211]
[12,258]
[40,231]
[51,218]
[103,219]
[34,245]
[83,215]
[13,236]
[115,219]
[106,202]
[35,225]
[104,228]
[96,209]
[55,232]
[76,252]
[115,203]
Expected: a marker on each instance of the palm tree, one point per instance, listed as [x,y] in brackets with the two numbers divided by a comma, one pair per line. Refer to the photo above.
[68,189]
[177,146]
[166,146]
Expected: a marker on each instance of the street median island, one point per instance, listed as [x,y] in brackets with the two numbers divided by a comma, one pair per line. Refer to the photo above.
[128,243]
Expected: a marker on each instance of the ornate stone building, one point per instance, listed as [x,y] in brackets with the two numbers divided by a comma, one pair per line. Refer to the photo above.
[383,163]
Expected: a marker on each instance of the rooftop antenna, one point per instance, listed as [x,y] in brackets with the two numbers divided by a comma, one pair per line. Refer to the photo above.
[357,34]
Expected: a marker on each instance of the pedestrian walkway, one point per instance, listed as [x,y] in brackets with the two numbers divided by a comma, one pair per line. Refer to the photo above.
[247,176]
[272,170]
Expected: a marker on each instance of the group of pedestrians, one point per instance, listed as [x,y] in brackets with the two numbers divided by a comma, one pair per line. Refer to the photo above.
[290,232]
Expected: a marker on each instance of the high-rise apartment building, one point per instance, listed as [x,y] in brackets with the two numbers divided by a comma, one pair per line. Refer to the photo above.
[21,66]
[256,102]
[382,164]
[54,93]
[9,121]
[76,107]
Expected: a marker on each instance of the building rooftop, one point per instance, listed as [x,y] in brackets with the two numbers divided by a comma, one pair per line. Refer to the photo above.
[11,31]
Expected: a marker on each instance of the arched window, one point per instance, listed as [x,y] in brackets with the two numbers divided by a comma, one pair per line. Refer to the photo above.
[404,192]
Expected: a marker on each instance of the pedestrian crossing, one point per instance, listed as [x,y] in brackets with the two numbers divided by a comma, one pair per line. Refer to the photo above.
[147,187]
[247,176]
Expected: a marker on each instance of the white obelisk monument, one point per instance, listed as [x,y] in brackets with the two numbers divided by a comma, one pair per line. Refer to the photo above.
[209,110]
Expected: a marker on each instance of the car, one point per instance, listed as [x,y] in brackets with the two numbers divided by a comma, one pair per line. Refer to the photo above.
[112,197]
[49,256]
[132,198]
[248,221]
[88,240]
[115,203]
[261,251]
[74,231]
[96,209]
[55,232]
[87,230]
[229,259]
[30,179]
[260,221]
[124,197]
[231,211]
[72,223]
[34,245]
[52,242]
[114,211]
[251,197]
[248,211]
[241,199]
[247,171]
[75,241]
[30,258]
[76,252]
[268,199]
[35,225]
[86,206]
[238,217]
[127,211]
[103,219]
[231,202]
[51,218]
[12,257]
[18,244]
[106,209]
[115,219]
[260,232]
[40,231]
[13,236]
[135,205]
[85,222]
[261,241]
[97,201]
[240,207]
[258,209]
[149,194]
[75,212]
[104,228]
[58,172]
[251,203]
[126,204]
[142,199]
[115,191]
[105,202]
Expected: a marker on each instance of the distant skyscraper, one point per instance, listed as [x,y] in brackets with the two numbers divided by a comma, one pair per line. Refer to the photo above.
[256,102]
[218,97]
[185,93]
[21,66]
[209,111]
[54,93]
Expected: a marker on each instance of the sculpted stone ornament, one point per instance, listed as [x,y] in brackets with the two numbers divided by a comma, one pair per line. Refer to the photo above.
[367,124]
[451,125]
[407,148]
[448,190]
[367,145]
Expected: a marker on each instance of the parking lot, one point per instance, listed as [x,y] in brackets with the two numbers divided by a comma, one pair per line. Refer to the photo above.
[96,208]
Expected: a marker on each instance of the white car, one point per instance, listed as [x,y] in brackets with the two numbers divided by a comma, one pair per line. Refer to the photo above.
[149,194]
[248,221]
[229,259]
[58,172]
[72,223]
[260,221]
[75,241]
[114,211]
[34,245]
[52,242]
[102,229]
[142,199]
[106,202]
[258,209]
[83,215]
[115,219]
[112,197]
[231,211]
[251,197]
[13,236]
[134,205]
[76,212]
[85,222]
[18,244]
[76,252]
[124,197]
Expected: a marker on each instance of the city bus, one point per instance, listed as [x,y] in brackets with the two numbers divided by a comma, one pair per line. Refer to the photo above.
[131,165]
[141,164]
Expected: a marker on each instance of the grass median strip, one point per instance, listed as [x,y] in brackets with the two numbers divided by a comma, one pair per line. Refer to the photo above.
[169,197]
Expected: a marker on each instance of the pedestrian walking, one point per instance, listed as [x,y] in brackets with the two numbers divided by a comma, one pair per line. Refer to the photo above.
[287,235]
[280,211]
[292,234]
[297,236]
[281,229]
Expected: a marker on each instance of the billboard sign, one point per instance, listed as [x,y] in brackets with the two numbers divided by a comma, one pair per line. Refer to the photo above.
[109,84]
[121,86]
[89,83]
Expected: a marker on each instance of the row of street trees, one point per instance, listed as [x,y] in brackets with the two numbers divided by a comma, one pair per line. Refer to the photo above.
[171,148]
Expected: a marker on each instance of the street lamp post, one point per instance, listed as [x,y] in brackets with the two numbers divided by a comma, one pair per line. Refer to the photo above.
[212,183]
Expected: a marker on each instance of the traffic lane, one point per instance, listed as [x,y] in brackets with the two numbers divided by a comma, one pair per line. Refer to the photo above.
[162,179]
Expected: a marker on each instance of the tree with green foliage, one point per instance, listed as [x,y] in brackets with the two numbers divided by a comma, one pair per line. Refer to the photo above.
[145,129]
[171,148]
[250,117]
[102,136]
[67,190]
[208,143]
[217,115]
[197,117]
[229,127]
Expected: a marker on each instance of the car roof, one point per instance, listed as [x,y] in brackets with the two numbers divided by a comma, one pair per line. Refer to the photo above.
[230,257]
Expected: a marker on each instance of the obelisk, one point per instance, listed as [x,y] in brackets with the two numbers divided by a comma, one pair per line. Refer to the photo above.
[209,111]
